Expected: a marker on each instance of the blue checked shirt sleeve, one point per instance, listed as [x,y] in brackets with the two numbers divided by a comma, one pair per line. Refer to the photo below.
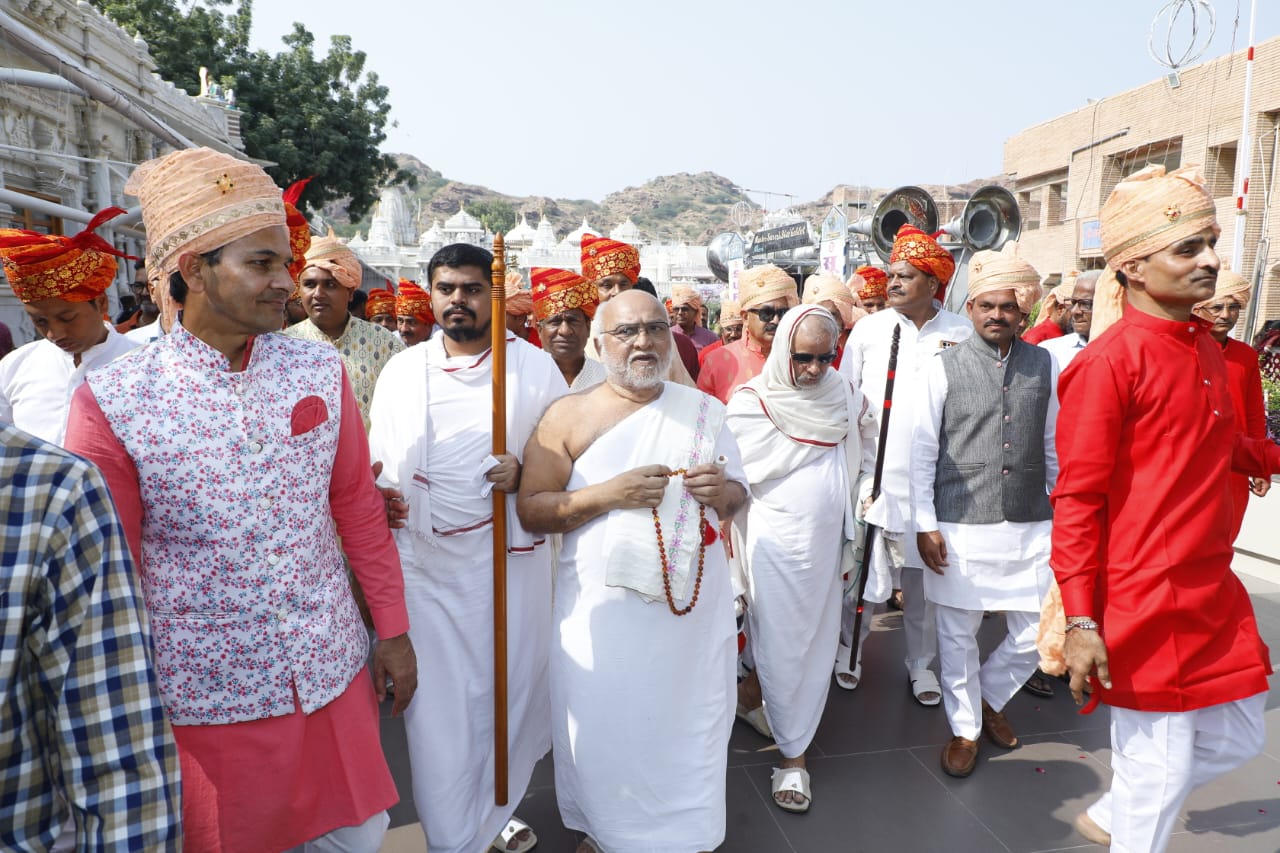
[98,742]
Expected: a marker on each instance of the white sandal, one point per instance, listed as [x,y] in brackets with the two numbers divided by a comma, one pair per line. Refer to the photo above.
[514,827]
[842,671]
[756,719]
[923,681]
[796,780]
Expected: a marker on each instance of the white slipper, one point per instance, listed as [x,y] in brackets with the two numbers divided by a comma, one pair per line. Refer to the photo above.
[756,719]
[514,827]
[842,671]
[795,779]
[924,681]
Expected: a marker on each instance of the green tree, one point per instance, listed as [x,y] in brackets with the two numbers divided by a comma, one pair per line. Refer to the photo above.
[496,215]
[320,117]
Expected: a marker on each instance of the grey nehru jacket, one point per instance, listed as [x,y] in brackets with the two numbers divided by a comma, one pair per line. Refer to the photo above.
[991,462]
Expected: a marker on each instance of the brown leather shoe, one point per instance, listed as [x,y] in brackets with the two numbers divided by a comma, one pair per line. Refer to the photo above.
[996,727]
[959,757]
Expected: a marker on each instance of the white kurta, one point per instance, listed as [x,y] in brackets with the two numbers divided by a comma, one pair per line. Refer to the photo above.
[642,699]
[795,534]
[449,587]
[1001,566]
[38,379]
[1064,348]
[866,362]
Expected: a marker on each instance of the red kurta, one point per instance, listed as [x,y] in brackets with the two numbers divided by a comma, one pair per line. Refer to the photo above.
[1041,332]
[1244,381]
[1142,515]
[729,367]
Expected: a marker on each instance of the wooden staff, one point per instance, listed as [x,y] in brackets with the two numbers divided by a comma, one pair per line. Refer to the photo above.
[498,329]
[867,546]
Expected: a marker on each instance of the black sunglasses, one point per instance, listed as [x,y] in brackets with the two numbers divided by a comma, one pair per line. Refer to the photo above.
[808,357]
[768,313]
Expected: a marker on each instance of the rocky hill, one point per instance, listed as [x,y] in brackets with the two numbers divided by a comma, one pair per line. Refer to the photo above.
[682,207]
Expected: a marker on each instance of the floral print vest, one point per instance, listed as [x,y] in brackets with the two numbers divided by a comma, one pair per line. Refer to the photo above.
[244,583]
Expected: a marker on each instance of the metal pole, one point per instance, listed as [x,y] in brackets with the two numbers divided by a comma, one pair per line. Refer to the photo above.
[1244,151]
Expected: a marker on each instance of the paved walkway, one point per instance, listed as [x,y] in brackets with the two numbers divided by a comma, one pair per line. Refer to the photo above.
[877,785]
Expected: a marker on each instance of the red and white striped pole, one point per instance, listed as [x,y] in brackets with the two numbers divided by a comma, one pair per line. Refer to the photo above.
[1244,152]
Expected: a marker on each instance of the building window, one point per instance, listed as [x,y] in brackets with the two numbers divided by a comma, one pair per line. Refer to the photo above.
[29,220]
[1220,170]
[1118,166]
[1029,207]
[1056,204]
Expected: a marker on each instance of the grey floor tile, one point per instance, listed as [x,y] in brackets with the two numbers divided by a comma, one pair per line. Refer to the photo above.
[751,825]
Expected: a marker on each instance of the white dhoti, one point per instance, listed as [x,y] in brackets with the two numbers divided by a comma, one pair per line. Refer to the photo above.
[642,699]
[794,539]
[1159,758]
[1002,566]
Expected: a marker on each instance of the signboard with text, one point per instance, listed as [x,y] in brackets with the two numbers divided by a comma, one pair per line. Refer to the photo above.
[793,235]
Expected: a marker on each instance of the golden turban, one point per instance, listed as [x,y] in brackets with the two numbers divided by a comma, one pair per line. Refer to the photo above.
[602,257]
[1150,210]
[730,313]
[683,294]
[1231,287]
[765,284]
[197,200]
[380,302]
[47,266]
[556,291]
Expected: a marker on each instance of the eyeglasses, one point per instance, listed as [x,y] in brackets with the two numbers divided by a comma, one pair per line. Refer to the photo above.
[808,357]
[630,331]
[1082,304]
[768,313]
[1222,307]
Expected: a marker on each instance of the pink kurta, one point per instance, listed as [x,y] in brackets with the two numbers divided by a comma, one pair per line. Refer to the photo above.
[284,780]
[730,367]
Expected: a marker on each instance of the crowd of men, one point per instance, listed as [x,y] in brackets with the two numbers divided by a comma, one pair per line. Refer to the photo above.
[208,522]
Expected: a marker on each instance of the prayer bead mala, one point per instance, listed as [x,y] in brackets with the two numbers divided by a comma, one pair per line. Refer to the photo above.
[663,563]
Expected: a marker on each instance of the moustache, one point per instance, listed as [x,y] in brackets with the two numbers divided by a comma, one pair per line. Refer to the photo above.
[460,310]
[996,324]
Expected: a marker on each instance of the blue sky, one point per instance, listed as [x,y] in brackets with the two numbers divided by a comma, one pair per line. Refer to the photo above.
[576,99]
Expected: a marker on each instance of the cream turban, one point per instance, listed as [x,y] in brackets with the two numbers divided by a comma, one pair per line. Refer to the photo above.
[519,301]
[1108,303]
[730,313]
[1150,210]
[765,284]
[825,287]
[332,255]
[683,294]
[1004,270]
[198,200]
[1231,287]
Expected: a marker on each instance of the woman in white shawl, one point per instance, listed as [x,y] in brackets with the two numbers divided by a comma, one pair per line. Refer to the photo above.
[807,439]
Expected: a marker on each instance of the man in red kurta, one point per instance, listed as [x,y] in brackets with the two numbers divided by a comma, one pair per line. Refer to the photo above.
[1055,313]
[765,292]
[1147,439]
[1244,381]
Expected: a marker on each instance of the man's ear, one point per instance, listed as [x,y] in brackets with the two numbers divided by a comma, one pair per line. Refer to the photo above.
[192,267]
[1132,270]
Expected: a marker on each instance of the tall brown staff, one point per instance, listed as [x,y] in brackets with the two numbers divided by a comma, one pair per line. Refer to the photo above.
[870,539]
[498,329]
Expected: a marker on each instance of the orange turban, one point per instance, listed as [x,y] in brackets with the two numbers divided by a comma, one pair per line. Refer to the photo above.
[1231,287]
[299,230]
[73,269]
[556,291]
[923,252]
[415,302]
[519,302]
[380,302]
[870,283]
[1150,210]
[603,257]
[330,254]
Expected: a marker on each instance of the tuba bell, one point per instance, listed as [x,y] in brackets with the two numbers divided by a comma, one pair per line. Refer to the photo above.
[989,220]
[904,206]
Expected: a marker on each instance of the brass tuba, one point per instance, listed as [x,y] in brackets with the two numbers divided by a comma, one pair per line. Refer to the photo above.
[905,205]
[989,220]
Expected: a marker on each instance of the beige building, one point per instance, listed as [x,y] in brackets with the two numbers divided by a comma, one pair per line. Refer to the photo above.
[1063,169]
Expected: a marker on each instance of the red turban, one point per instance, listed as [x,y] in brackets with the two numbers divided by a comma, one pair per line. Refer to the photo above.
[299,230]
[603,257]
[380,302]
[73,269]
[414,302]
[923,252]
[875,284]
[556,291]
